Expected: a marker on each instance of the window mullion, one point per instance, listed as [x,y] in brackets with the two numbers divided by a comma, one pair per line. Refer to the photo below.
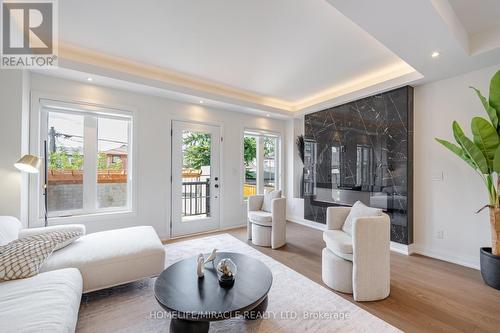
[90,164]
[260,165]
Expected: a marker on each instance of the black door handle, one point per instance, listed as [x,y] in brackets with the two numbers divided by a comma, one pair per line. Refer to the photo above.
[216,185]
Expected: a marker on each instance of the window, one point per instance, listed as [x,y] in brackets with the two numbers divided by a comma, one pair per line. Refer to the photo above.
[261,162]
[88,159]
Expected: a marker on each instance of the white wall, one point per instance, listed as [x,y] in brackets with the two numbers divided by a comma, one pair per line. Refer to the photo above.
[13,109]
[448,205]
[154,117]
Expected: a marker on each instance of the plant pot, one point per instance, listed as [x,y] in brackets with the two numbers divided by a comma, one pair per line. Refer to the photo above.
[490,267]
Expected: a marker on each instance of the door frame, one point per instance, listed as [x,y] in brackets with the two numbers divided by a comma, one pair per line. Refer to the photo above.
[220,125]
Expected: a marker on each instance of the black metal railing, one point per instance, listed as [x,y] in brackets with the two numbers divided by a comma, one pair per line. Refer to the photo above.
[196,198]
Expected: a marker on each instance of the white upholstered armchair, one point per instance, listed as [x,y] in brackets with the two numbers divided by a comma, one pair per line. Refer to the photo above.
[266,224]
[357,263]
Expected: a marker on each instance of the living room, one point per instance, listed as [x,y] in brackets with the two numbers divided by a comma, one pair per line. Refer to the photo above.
[250,166]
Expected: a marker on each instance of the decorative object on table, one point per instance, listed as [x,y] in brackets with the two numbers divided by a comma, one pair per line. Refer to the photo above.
[201,262]
[212,256]
[226,272]
[200,270]
[483,155]
[30,164]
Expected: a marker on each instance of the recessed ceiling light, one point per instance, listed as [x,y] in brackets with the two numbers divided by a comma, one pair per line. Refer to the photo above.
[89,79]
[268,115]
[201,102]
[435,54]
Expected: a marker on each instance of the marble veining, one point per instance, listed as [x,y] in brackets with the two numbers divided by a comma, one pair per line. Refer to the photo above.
[363,151]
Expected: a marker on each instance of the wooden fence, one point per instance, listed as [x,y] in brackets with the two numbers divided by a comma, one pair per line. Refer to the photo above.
[63,177]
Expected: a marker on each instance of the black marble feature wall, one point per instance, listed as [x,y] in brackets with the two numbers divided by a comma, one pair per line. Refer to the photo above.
[362,150]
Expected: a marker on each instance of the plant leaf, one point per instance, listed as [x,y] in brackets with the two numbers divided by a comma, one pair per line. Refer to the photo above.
[485,138]
[459,152]
[495,92]
[492,113]
[471,149]
[496,161]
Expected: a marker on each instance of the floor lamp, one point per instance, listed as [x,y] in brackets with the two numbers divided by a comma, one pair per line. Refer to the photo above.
[31,164]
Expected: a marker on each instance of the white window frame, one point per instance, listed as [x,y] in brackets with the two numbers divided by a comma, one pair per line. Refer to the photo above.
[260,134]
[40,108]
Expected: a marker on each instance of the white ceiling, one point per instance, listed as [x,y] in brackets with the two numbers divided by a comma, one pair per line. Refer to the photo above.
[274,56]
[285,49]
[477,15]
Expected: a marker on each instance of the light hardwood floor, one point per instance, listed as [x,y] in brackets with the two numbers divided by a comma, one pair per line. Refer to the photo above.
[427,295]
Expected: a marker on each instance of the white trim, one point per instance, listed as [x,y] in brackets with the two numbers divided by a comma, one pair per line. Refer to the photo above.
[90,150]
[307,223]
[402,248]
[467,261]
[204,232]
[41,100]
[279,163]
[90,218]
[176,224]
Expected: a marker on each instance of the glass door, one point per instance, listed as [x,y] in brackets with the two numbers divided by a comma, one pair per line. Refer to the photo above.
[195,178]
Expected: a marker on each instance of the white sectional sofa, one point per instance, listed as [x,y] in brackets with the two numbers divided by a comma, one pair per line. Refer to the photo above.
[95,261]
[47,302]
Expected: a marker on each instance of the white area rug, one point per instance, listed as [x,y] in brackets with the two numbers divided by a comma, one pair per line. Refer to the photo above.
[296,304]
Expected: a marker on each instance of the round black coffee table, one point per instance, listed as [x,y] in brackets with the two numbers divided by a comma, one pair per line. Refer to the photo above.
[195,302]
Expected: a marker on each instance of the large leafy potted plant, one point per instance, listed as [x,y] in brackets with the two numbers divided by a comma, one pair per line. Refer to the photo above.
[482,153]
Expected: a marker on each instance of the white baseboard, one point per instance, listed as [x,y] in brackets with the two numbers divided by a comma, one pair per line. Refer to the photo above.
[163,240]
[467,261]
[307,223]
[402,248]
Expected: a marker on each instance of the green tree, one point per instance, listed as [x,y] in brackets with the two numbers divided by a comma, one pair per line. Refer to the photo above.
[62,160]
[249,150]
[196,150]
[102,163]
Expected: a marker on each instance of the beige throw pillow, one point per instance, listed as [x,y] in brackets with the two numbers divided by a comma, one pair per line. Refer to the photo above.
[359,209]
[22,258]
[268,200]
[79,229]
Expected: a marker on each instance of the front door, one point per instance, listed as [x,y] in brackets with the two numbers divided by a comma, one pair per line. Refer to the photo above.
[195,178]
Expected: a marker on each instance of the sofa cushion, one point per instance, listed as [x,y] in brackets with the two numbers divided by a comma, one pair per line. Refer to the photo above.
[112,257]
[47,302]
[9,229]
[267,204]
[261,218]
[23,257]
[77,229]
[359,210]
[339,242]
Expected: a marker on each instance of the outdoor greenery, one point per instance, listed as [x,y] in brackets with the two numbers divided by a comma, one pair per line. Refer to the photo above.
[65,160]
[197,151]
